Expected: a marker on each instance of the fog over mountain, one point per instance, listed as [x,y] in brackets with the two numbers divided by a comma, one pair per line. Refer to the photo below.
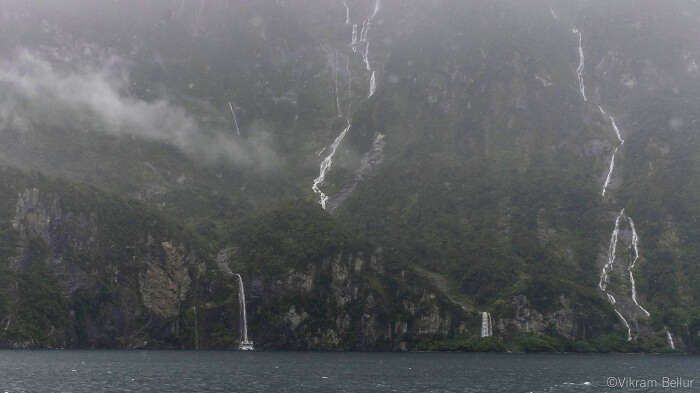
[383,174]
[39,95]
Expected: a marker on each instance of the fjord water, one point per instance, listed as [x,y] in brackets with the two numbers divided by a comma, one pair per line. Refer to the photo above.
[174,371]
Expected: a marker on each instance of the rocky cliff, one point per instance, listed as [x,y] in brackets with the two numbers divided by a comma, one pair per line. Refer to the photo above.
[89,271]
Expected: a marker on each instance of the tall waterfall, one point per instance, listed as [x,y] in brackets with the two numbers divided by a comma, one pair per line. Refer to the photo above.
[245,344]
[356,39]
[613,241]
[486,325]
[612,248]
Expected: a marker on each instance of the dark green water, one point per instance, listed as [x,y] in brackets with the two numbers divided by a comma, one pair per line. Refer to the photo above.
[165,371]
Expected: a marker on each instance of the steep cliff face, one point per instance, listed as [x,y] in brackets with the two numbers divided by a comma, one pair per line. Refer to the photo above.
[92,271]
[349,302]
[318,287]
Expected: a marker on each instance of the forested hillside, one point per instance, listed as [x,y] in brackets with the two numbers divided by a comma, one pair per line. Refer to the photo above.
[380,172]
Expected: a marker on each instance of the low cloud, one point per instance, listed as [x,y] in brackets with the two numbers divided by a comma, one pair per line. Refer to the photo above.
[33,91]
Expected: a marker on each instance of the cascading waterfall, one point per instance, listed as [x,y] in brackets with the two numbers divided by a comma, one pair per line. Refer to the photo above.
[604,276]
[611,168]
[612,248]
[364,34]
[614,125]
[372,159]
[603,283]
[362,31]
[579,70]
[365,57]
[327,162]
[635,247]
[368,22]
[245,344]
[363,38]
[377,5]
[635,236]
[669,339]
[235,119]
[627,325]
[486,325]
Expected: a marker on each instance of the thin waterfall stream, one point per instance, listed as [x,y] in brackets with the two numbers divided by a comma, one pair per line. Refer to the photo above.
[245,344]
